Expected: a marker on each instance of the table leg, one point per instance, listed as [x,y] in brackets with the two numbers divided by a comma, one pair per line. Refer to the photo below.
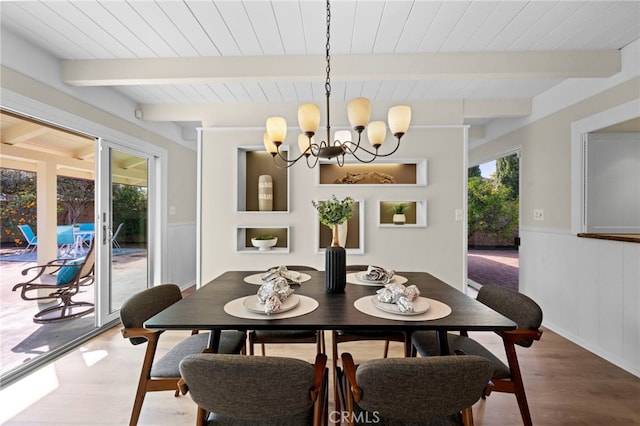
[443,341]
[214,341]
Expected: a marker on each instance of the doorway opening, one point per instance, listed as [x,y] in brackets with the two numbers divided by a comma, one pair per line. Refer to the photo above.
[493,231]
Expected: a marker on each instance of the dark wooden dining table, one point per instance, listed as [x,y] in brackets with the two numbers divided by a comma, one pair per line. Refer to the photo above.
[204,309]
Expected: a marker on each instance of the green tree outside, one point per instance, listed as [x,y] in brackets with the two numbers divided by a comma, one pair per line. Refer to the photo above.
[129,205]
[492,209]
[475,172]
[508,174]
[18,203]
[76,195]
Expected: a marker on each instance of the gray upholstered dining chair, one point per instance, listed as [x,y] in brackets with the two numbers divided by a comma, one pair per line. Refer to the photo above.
[506,378]
[246,390]
[343,336]
[414,391]
[263,337]
[164,374]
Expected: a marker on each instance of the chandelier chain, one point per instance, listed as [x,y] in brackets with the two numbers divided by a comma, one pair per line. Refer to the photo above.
[327,84]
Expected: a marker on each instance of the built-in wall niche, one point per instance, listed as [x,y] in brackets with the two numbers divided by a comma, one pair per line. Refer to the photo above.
[380,172]
[246,233]
[253,162]
[354,243]
[415,213]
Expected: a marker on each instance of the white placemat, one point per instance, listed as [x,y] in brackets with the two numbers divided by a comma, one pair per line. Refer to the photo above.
[436,310]
[236,308]
[257,280]
[353,279]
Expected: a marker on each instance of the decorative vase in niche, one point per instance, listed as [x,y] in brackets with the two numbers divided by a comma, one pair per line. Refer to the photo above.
[265,193]
[342,233]
[399,219]
[335,266]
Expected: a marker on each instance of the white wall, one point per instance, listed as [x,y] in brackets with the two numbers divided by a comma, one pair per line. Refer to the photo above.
[439,248]
[181,256]
[588,289]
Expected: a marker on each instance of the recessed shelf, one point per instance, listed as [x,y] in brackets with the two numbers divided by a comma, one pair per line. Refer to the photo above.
[245,233]
[384,172]
[254,161]
[416,213]
[355,232]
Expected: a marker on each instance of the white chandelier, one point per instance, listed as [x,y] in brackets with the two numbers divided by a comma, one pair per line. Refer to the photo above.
[358,111]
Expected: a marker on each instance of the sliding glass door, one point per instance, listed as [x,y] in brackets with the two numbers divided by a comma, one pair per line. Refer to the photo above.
[127,216]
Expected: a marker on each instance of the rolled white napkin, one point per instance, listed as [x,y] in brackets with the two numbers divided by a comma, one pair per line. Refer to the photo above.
[283,272]
[377,273]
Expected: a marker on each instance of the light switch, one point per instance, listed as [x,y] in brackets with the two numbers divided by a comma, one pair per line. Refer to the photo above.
[538,214]
[172,210]
[459,215]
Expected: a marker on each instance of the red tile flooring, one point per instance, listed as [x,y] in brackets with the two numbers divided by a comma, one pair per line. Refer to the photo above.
[499,267]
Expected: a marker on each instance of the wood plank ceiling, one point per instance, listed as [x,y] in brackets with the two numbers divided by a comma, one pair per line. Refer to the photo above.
[273,38]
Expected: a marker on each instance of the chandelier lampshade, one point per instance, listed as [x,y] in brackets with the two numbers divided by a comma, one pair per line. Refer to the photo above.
[376,131]
[359,112]
[308,118]
[276,129]
[344,136]
[399,118]
[304,144]
[342,145]
[268,145]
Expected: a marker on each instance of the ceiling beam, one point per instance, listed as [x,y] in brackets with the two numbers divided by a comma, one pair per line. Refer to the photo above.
[496,108]
[442,66]
[35,156]
[424,113]
[25,131]
[85,153]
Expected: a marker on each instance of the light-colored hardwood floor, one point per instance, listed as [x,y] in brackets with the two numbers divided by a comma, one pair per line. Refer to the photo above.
[95,385]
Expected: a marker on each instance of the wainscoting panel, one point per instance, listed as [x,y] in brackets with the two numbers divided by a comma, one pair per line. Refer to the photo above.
[589,291]
[181,254]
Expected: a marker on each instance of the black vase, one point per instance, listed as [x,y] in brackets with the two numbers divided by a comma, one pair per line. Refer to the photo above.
[335,269]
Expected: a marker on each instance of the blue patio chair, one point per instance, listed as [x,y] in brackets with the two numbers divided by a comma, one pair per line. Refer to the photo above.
[66,239]
[86,231]
[114,238]
[30,238]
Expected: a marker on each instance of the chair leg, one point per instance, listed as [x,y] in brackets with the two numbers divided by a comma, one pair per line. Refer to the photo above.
[467,416]
[201,416]
[262,348]
[145,374]
[334,360]
[521,397]
[518,385]
[386,348]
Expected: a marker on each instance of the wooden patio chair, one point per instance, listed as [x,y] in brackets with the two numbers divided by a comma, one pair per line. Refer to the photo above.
[59,279]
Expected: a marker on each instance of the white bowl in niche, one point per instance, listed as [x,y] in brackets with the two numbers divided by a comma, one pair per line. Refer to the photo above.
[264,244]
